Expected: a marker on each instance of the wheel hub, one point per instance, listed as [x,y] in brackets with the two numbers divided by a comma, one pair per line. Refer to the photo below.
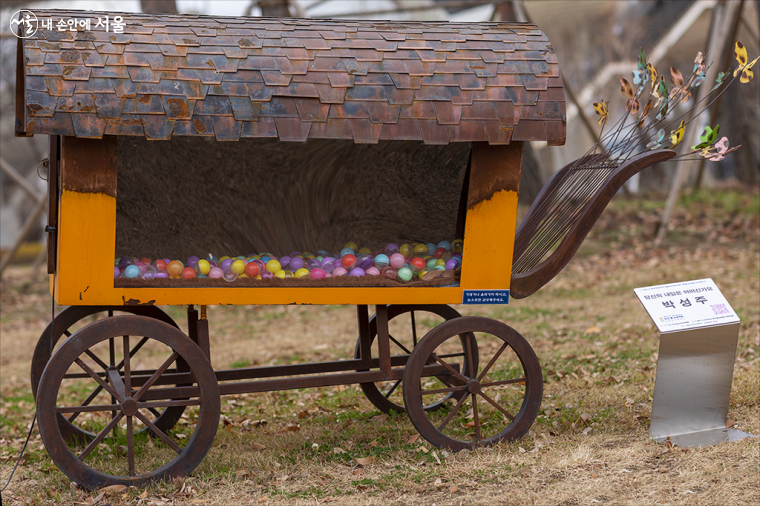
[473,386]
[129,406]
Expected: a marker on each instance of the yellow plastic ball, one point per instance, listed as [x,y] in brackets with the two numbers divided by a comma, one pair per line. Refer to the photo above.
[302,273]
[204,266]
[280,274]
[405,249]
[365,251]
[420,250]
[457,245]
[421,273]
[223,259]
[273,266]
[351,245]
[441,261]
[238,266]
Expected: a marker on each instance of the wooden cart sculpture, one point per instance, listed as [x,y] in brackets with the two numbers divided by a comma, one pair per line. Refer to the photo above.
[476,90]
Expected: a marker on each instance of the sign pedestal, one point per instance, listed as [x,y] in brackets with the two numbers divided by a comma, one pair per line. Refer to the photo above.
[695,365]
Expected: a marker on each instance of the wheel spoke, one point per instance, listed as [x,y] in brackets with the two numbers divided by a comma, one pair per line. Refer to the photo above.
[166,439]
[447,366]
[492,361]
[96,359]
[151,405]
[67,333]
[95,442]
[127,372]
[504,382]
[442,390]
[395,385]
[475,417]
[156,375]
[134,350]
[155,412]
[95,376]
[111,352]
[414,329]
[130,447]
[470,365]
[493,403]
[399,345]
[451,414]
[86,402]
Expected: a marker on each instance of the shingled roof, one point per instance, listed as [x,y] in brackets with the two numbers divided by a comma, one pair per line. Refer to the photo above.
[291,78]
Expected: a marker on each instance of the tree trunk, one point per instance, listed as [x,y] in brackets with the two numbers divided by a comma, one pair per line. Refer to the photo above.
[274,8]
[158,6]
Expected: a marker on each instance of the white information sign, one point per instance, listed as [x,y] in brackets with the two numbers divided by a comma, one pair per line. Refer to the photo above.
[686,305]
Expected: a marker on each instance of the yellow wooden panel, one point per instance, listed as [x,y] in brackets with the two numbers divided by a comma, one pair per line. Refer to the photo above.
[489,242]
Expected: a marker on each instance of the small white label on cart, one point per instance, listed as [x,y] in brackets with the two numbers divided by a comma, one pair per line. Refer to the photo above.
[686,305]
[485,297]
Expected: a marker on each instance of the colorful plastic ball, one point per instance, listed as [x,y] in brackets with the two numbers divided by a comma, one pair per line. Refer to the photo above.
[285,261]
[339,271]
[439,268]
[439,252]
[431,248]
[372,271]
[188,273]
[348,261]
[421,273]
[417,264]
[317,273]
[280,274]
[346,251]
[405,274]
[202,267]
[405,249]
[116,272]
[312,264]
[175,268]
[296,263]
[357,272]
[389,272]
[215,273]
[352,246]
[391,248]
[273,266]
[266,258]
[252,269]
[441,262]
[191,261]
[364,261]
[161,274]
[323,253]
[382,261]
[238,266]
[229,275]
[289,275]
[124,262]
[327,264]
[225,263]
[302,273]
[457,246]
[261,265]
[167,260]
[452,264]
[397,260]
[420,250]
[267,275]
[131,272]
[445,245]
[145,260]
[365,250]
[431,263]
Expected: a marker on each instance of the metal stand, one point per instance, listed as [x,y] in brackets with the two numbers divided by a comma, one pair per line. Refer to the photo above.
[693,385]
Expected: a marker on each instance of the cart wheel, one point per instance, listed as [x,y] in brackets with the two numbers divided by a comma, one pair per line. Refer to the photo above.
[389,395]
[499,403]
[119,454]
[65,324]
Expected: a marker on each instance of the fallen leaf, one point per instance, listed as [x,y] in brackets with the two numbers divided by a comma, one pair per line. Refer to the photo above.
[730,423]
[593,330]
[438,482]
[373,444]
[365,461]
[585,417]
[594,476]
[178,482]
[422,449]
[144,495]
[522,450]
[258,446]
[379,418]
[241,472]
[413,439]
[113,489]
[362,487]
[358,472]
[263,498]
[662,470]
[338,450]
[453,489]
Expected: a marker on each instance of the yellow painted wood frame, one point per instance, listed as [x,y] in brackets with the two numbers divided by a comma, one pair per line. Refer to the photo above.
[87,239]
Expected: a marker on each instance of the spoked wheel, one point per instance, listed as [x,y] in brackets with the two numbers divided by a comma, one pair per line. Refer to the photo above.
[119,453]
[406,326]
[499,402]
[64,325]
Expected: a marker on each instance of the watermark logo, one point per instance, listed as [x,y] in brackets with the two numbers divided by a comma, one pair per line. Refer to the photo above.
[24,24]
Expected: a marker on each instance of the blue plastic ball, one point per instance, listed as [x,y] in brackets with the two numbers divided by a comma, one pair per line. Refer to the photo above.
[132,271]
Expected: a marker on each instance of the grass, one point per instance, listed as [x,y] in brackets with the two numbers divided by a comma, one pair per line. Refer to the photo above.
[589,443]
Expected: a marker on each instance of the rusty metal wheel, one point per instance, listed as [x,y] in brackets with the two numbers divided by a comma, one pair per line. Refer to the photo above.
[499,402]
[406,326]
[64,325]
[120,454]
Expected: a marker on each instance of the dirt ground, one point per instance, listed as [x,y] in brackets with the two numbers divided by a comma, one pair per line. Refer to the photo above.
[589,445]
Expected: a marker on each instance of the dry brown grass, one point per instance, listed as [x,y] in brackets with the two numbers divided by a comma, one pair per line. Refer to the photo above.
[597,348]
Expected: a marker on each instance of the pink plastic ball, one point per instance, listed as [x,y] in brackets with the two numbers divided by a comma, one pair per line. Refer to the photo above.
[397,260]
[339,271]
[215,273]
[317,273]
[373,271]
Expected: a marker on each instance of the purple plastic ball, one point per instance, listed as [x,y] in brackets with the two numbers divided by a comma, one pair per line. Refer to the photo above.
[124,262]
[161,273]
[391,249]
[312,264]
[191,261]
[284,261]
[266,275]
[452,264]
[226,263]
[296,263]
[364,261]
[328,264]
[116,272]
[357,272]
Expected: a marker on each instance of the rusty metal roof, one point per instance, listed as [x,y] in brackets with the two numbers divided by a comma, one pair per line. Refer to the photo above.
[294,79]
